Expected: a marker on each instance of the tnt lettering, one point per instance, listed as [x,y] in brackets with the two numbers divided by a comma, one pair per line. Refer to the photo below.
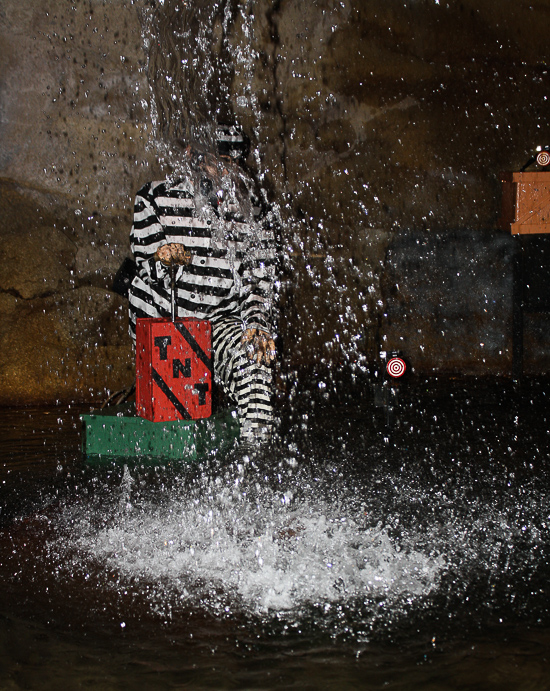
[177,367]
[202,390]
[162,343]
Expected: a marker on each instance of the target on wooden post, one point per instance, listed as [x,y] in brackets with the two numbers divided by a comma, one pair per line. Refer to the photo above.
[396,367]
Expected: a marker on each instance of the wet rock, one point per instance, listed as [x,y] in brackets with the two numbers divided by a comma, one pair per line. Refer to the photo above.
[43,258]
[67,347]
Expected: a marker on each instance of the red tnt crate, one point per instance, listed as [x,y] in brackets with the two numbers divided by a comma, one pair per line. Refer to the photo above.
[173,369]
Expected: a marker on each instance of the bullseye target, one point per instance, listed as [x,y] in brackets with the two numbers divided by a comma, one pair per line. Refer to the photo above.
[396,367]
[543,158]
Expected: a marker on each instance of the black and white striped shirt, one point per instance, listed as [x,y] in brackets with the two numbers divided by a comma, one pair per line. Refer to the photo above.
[233,255]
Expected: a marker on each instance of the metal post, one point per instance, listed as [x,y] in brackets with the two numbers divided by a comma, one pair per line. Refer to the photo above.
[517,313]
[172,292]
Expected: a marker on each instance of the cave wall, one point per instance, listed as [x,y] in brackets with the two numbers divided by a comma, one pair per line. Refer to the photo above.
[380,128]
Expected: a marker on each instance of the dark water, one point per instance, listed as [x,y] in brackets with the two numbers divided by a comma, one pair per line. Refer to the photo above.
[363,551]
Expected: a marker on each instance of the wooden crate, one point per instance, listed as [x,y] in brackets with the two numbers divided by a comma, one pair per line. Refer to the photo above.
[525,203]
[119,434]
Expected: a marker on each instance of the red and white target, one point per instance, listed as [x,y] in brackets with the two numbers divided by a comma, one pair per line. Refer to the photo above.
[543,158]
[396,367]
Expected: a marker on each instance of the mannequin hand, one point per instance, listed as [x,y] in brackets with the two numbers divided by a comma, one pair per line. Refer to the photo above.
[173,254]
[259,345]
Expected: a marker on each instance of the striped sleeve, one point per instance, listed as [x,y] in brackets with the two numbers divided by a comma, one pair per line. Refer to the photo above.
[147,235]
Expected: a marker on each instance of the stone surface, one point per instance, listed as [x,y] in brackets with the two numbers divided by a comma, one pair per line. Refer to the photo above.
[380,128]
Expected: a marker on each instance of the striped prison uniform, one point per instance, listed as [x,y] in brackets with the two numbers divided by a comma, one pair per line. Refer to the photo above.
[229,281]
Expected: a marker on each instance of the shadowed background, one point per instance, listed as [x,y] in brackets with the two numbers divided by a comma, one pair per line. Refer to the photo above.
[379,128]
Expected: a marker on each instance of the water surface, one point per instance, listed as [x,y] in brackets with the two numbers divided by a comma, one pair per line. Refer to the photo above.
[353,554]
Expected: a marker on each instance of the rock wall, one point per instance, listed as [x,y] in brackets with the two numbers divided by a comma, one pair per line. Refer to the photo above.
[379,127]
[71,148]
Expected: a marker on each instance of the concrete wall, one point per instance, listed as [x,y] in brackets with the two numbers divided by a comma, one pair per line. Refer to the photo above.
[379,127]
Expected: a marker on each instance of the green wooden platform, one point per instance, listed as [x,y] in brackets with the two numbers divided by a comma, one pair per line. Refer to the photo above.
[118,434]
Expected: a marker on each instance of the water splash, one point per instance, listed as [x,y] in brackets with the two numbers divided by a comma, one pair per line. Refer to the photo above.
[262,552]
